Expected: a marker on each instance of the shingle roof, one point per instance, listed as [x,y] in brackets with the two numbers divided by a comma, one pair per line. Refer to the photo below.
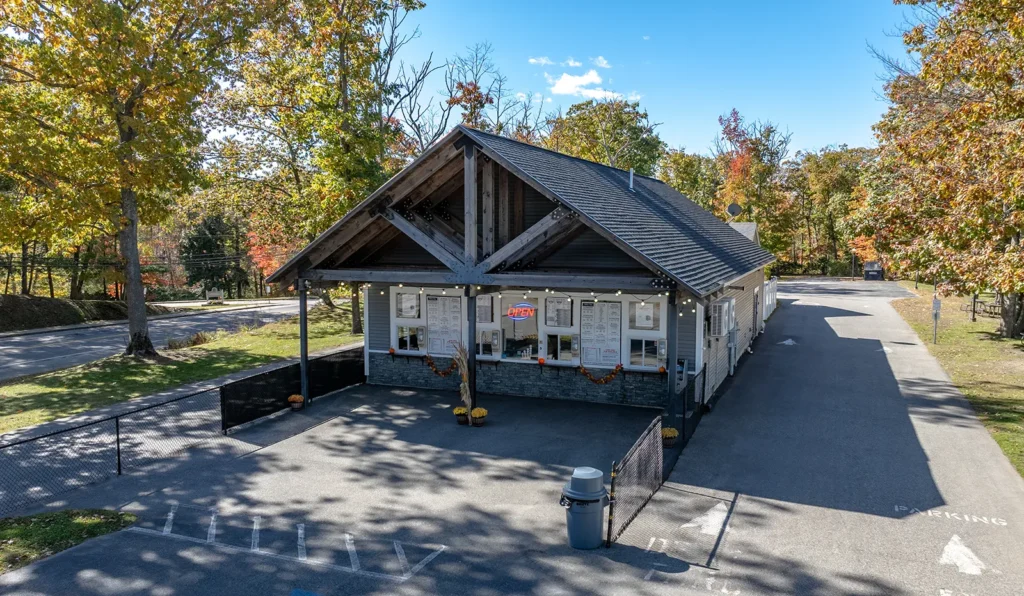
[747,228]
[674,233]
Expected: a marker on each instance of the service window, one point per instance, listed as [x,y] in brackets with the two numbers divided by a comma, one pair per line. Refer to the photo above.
[562,347]
[409,338]
[649,353]
[519,328]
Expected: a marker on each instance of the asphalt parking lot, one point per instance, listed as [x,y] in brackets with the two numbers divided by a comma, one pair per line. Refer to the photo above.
[386,495]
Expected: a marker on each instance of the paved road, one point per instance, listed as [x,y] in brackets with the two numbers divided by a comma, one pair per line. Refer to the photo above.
[42,352]
[841,461]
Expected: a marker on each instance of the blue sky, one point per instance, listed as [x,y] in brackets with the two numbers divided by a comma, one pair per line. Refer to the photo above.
[804,65]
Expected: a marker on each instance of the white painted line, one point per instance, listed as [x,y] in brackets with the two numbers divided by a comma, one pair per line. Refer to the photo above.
[709,522]
[650,544]
[956,553]
[426,560]
[238,549]
[885,349]
[255,547]
[402,561]
[170,519]
[302,541]
[211,532]
[352,555]
[652,570]
[788,342]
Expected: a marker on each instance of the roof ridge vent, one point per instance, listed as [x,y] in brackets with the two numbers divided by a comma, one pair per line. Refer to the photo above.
[630,179]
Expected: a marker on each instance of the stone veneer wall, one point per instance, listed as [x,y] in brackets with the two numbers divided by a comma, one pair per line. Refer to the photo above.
[633,388]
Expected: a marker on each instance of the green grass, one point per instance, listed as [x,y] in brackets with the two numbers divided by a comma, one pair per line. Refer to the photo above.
[988,369]
[41,398]
[27,539]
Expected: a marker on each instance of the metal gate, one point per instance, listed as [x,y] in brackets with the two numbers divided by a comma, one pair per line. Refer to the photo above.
[635,479]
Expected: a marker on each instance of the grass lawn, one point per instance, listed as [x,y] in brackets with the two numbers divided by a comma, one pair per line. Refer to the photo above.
[41,398]
[26,539]
[988,370]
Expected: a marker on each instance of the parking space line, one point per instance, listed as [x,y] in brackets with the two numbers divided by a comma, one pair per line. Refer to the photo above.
[352,555]
[302,541]
[402,561]
[170,519]
[211,532]
[255,534]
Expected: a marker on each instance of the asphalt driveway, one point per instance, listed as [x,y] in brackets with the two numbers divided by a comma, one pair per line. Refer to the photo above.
[841,461]
[385,494]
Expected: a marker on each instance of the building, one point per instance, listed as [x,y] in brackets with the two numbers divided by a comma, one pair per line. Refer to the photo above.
[569,279]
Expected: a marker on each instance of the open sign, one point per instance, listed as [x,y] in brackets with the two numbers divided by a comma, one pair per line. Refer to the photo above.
[521,311]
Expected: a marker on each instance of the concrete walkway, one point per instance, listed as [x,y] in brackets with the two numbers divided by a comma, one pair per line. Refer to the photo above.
[844,462]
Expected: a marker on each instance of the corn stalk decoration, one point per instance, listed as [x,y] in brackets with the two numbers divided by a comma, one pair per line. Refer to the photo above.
[461,358]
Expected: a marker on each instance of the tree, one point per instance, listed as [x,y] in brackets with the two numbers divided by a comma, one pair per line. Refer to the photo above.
[947,193]
[696,176]
[110,91]
[752,157]
[614,132]
[208,257]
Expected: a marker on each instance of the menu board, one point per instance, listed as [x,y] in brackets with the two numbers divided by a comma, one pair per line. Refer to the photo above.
[444,324]
[600,332]
[484,309]
[558,312]
[644,316]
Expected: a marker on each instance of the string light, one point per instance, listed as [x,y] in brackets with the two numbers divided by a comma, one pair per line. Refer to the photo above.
[643,303]
[444,291]
[421,290]
[618,293]
[401,285]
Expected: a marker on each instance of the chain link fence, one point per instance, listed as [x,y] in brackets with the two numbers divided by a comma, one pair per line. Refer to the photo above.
[37,469]
[635,479]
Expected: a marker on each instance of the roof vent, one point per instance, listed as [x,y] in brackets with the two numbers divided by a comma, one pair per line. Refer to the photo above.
[631,179]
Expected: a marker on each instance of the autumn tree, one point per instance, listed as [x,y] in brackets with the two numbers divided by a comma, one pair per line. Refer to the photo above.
[948,190]
[751,155]
[614,132]
[694,175]
[110,89]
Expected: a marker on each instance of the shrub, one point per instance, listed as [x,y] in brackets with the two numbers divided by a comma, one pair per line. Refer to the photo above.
[197,339]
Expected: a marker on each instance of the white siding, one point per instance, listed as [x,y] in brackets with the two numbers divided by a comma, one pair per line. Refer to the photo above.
[716,353]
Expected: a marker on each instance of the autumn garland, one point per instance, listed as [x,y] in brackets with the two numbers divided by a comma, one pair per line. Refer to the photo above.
[603,380]
[441,373]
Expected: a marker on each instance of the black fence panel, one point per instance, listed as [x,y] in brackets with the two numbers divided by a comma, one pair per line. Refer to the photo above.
[635,479]
[336,371]
[257,396]
[260,395]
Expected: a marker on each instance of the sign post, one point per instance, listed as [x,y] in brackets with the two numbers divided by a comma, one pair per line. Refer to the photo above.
[936,312]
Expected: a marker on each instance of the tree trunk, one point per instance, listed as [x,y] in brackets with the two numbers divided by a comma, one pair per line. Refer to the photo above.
[1013,315]
[49,277]
[33,270]
[24,268]
[325,297]
[73,284]
[139,343]
[10,272]
[357,311]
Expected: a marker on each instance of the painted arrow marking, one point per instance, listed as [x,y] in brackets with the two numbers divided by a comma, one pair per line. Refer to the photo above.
[956,553]
[711,521]
[788,342]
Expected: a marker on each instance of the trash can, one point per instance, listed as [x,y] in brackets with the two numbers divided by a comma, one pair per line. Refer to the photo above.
[584,498]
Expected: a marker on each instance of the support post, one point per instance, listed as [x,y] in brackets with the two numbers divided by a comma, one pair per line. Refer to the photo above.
[303,341]
[471,348]
[469,208]
[487,208]
[671,361]
[117,435]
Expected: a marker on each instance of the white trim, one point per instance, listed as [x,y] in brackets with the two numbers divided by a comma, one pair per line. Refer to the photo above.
[698,353]
[366,331]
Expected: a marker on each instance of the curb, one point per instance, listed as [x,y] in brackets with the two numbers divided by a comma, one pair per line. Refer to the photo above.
[175,315]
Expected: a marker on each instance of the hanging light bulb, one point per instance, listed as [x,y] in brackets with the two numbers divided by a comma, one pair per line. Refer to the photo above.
[478,287]
[444,291]
[618,293]
[401,285]
[421,290]
[382,292]
[643,303]
[591,292]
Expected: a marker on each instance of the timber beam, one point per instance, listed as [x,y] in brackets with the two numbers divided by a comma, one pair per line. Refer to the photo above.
[426,239]
[553,225]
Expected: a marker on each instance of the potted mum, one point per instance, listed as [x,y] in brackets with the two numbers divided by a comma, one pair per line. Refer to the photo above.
[669,436]
[296,402]
[479,416]
[462,415]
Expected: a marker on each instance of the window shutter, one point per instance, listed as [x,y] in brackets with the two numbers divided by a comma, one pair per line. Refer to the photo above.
[718,314]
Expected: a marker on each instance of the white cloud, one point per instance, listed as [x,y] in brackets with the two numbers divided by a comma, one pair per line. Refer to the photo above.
[572,63]
[600,62]
[634,96]
[520,96]
[647,38]
[547,100]
[541,61]
[580,85]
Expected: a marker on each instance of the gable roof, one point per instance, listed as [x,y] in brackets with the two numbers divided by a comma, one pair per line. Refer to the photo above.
[679,237]
[747,228]
[656,223]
